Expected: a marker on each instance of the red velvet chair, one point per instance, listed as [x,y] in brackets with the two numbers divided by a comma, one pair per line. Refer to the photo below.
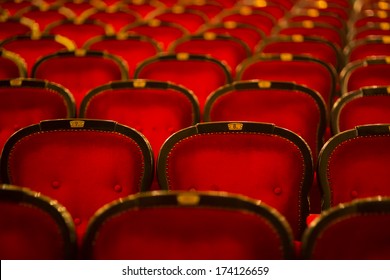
[352,231]
[222,47]
[200,73]
[187,226]
[163,32]
[143,8]
[82,163]
[311,28]
[301,69]
[13,6]
[285,104]
[45,14]
[370,105]
[314,15]
[370,16]
[245,32]
[210,8]
[342,11]
[12,26]
[191,20]
[79,31]
[259,160]
[116,16]
[304,45]
[34,227]
[370,46]
[132,48]
[32,47]
[371,29]
[274,9]
[80,71]
[79,7]
[259,19]
[156,109]
[354,164]
[24,102]
[11,65]
[372,71]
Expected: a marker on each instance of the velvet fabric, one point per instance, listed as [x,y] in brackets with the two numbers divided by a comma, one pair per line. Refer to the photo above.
[29,233]
[358,168]
[369,48]
[82,169]
[117,19]
[11,28]
[44,18]
[79,74]
[260,166]
[200,76]
[186,234]
[8,68]
[191,21]
[367,75]
[260,20]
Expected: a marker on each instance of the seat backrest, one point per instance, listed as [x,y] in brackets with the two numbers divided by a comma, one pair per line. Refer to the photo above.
[80,71]
[352,231]
[222,47]
[32,47]
[156,109]
[24,102]
[82,163]
[285,104]
[245,32]
[11,65]
[187,226]
[369,105]
[301,69]
[163,32]
[11,26]
[306,45]
[12,7]
[143,8]
[315,15]
[372,71]
[370,16]
[259,19]
[132,48]
[191,20]
[34,227]
[354,164]
[258,160]
[370,46]
[200,73]
[371,29]
[79,31]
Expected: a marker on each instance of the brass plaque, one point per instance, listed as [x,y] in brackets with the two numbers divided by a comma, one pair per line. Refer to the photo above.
[77,124]
[235,126]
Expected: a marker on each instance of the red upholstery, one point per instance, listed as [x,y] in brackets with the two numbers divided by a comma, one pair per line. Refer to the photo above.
[31,48]
[316,47]
[306,71]
[163,32]
[320,17]
[225,48]
[355,231]
[190,20]
[210,9]
[199,73]
[133,49]
[365,106]
[209,231]
[83,168]
[157,109]
[258,19]
[79,32]
[29,102]
[245,32]
[354,165]
[371,46]
[287,105]
[372,29]
[369,72]
[143,8]
[12,7]
[258,164]
[11,65]
[33,227]
[276,10]
[78,7]
[367,17]
[117,18]
[80,72]
[309,28]
[15,26]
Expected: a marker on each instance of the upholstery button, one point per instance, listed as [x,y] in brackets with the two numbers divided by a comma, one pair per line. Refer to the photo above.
[118,188]
[77,221]
[277,190]
[55,185]
[354,194]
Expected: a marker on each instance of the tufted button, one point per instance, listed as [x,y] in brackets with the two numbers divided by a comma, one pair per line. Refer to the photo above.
[77,221]
[118,188]
[354,194]
[55,185]
[277,190]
